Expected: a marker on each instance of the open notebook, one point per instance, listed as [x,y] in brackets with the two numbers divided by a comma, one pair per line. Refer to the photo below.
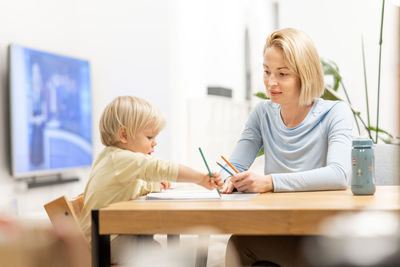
[197,195]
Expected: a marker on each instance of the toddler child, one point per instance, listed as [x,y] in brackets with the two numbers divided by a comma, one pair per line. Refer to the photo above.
[125,169]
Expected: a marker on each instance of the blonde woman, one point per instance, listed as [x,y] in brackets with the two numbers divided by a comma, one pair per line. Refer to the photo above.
[306,140]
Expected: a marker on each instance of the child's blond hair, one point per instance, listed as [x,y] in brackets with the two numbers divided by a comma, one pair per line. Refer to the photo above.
[131,112]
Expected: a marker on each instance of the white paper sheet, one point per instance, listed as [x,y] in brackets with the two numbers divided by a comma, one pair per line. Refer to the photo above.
[185,195]
[197,195]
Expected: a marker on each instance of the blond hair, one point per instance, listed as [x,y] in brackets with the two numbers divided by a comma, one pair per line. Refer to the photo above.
[131,112]
[301,56]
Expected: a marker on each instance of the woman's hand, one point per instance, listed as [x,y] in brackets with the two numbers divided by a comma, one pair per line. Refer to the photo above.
[228,186]
[211,183]
[249,181]
[165,185]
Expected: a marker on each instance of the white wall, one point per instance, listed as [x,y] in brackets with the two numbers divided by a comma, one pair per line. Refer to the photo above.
[208,50]
[336,28]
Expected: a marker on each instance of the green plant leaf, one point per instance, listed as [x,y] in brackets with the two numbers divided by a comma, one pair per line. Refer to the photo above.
[328,95]
[261,152]
[261,95]
[387,138]
[372,128]
[336,82]
[394,141]
[331,69]
[365,82]
[379,69]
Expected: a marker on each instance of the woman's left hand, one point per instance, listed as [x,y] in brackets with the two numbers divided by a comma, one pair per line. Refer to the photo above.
[228,187]
[249,181]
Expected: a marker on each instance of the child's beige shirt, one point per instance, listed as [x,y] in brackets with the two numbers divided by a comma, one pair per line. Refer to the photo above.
[120,175]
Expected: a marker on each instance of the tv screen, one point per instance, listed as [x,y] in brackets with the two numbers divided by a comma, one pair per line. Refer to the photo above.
[50,112]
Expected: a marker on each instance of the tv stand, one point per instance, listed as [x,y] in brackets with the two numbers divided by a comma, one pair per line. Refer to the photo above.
[39,181]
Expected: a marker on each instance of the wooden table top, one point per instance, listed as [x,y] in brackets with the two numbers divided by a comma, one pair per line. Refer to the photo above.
[268,213]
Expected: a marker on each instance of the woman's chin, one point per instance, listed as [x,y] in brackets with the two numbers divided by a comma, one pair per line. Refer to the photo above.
[274,99]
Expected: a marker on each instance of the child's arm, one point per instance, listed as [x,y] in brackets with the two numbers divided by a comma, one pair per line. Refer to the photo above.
[148,187]
[189,175]
[144,188]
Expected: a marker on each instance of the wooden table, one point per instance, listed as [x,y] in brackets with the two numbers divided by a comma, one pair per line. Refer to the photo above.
[294,213]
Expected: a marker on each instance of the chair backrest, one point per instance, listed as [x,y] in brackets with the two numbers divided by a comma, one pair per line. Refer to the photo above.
[77,205]
[70,209]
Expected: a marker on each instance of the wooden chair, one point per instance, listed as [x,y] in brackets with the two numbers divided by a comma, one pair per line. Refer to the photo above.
[70,209]
[63,204]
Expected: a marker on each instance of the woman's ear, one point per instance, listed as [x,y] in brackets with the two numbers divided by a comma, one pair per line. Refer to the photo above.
[123,135]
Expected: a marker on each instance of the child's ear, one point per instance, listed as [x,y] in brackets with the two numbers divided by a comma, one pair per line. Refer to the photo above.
[123,135]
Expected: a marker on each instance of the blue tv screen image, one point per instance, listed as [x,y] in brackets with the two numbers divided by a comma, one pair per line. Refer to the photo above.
[50,112]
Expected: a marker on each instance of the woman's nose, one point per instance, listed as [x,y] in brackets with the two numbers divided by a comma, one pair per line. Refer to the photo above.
[272,81]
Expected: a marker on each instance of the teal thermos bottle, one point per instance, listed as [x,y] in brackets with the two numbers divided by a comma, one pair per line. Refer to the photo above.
[363,169]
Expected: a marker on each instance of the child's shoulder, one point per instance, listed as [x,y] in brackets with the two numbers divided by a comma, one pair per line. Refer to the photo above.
[118,158]
[124,155]
[119,152]
[122,159]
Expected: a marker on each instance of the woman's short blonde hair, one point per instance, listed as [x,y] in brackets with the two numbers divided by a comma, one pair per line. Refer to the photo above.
[302,58]
[131,112]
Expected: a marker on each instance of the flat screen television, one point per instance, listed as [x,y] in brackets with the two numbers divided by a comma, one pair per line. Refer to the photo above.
[50,112]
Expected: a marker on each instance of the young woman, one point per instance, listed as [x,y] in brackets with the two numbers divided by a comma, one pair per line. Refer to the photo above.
[306,140]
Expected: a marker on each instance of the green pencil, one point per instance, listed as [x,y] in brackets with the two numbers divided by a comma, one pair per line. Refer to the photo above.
[202,155]
[208,168]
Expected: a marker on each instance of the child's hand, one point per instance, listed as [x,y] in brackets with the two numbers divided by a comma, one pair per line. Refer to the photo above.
[211,183]
[165,185]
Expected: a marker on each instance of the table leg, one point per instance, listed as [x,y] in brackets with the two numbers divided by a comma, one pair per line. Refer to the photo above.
[202,251]
[100,244]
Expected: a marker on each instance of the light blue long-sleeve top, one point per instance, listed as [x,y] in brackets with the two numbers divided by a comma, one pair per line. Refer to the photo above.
[315,155]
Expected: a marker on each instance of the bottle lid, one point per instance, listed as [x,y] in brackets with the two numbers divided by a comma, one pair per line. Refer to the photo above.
[362,143]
